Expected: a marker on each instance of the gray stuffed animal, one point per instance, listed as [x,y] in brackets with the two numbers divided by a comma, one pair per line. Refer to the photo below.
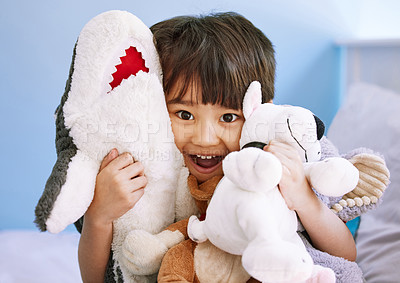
[373,181]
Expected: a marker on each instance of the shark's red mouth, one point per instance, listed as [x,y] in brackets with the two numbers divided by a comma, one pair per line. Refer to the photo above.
[131,64]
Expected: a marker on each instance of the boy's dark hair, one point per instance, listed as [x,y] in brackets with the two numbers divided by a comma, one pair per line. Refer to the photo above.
[220,53]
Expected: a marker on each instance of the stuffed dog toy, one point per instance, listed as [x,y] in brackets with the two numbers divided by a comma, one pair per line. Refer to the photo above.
[247,214]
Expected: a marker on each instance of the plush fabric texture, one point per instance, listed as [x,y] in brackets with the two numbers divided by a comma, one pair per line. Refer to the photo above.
[114,99]
[65,149]
[178,262]
[345,271]
[369,117]
[192,262]
[373,181]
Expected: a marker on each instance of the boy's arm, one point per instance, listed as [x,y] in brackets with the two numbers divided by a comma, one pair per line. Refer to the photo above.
[119,185]
[94,249]
[327,232]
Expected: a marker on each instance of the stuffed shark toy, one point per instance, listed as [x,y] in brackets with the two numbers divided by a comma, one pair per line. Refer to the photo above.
[247,214]
[113,99]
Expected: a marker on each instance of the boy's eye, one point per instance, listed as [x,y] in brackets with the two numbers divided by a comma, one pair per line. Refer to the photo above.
[228,118]
[185,115]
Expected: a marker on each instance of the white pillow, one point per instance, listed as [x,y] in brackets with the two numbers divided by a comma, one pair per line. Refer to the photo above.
[370,117]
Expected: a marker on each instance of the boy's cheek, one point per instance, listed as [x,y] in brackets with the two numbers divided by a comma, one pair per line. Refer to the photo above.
[182,135]
[232,138]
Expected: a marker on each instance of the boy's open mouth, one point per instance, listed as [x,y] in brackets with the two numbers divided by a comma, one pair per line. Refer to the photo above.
[206,161]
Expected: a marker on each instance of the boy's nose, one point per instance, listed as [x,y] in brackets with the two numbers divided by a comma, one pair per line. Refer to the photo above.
[205,134]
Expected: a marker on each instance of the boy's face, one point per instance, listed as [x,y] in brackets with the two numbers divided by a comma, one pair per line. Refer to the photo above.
[204,134]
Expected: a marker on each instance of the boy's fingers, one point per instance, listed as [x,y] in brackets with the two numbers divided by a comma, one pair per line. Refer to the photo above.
[138,183]
[108,158]
[136,195]
[122,161]
[283,148]
[133,170]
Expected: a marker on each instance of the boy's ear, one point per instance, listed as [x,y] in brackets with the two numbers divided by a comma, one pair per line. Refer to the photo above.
[252,99]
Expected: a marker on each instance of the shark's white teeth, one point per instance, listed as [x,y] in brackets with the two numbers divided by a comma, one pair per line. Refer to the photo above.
[121,53]
[139,48]
[118,62]
[107,88]
[110,78]
[113,70]
[123,81]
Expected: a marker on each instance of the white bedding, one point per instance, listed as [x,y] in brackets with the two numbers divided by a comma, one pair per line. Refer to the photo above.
[370,117]
[32,257]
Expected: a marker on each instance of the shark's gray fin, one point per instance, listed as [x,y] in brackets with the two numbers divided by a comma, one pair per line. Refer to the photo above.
[66,149]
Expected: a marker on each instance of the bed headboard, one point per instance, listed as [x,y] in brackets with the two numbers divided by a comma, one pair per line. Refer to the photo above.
[370,61]
[369,117]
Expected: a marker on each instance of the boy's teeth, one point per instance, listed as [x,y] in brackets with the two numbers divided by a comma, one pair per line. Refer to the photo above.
[205,156]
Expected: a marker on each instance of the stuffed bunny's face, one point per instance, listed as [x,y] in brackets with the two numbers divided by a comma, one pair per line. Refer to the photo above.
[290,124]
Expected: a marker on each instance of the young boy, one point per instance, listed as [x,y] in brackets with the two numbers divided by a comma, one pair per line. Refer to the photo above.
[208,63]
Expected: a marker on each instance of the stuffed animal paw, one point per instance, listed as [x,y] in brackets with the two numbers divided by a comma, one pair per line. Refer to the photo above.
[277,261]
[253,169]
[196,230]
[373,181]
[333,176]
[146,259]
[321,275]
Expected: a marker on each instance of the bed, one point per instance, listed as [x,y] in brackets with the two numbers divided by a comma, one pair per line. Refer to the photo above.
[370,117]
[35,257]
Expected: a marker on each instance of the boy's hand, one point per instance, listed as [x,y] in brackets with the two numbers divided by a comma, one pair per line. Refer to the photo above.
[294,186]
[327,232]
[119,185]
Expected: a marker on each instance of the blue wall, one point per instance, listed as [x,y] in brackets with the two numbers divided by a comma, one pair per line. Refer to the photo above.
[37,38]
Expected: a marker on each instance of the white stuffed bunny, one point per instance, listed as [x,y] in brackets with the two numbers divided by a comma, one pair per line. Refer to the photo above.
[247,214]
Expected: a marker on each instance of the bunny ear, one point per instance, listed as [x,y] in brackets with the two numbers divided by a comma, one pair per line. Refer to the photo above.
[252,99]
